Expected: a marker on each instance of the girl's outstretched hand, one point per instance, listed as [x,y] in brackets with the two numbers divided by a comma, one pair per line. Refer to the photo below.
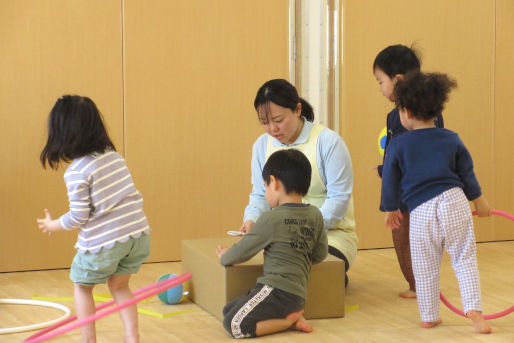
[48,225]
[392,219]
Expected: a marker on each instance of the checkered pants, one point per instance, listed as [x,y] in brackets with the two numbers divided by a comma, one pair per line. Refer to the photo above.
[444,222]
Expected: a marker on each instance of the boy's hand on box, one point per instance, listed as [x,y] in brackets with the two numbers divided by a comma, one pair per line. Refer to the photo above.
[220,250]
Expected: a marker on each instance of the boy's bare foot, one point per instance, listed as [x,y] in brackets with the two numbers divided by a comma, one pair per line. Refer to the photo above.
[302,325]
[479,322]
[429,325]
[293,317]
[408,294]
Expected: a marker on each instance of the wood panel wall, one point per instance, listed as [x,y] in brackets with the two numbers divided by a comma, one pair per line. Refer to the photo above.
[503,122]
[192,71]
[175,81]
[49,48]
[462,38]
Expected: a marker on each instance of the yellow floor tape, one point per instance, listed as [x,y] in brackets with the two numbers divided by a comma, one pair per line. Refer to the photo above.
[107,297]
[350,308]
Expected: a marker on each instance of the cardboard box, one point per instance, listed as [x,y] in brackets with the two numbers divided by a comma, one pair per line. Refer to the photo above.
[214,285]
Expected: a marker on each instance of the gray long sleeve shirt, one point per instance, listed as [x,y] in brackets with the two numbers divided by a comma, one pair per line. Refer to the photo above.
[293,238]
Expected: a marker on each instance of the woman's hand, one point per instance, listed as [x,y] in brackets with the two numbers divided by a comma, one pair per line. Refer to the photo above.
[247,226]
[48,225]
[392,219]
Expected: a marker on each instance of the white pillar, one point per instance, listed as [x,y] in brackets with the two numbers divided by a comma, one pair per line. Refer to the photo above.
[314,52]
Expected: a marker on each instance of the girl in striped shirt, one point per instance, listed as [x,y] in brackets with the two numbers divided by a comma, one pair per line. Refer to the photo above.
[104,206]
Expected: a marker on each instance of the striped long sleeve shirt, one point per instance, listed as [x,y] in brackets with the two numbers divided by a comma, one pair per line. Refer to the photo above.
[104,204]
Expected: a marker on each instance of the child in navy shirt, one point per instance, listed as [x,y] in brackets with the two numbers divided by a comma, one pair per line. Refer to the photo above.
[391,65]
[430,170]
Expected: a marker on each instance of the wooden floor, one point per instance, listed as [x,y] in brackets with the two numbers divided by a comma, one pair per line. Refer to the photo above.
[375,312]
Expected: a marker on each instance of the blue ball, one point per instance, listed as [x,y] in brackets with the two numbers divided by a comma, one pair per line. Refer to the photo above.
[172,295]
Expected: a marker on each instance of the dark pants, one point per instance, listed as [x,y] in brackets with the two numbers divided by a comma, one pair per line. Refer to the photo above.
[402,247]
[334,252]
[261,303]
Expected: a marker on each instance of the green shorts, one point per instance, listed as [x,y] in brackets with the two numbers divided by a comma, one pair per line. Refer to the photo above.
[123,258]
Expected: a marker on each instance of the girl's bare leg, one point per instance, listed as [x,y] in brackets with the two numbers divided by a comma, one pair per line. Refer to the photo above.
[85,307]
[118,285]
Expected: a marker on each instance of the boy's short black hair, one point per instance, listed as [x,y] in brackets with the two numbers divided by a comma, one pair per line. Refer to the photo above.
[397,59]
[423,94]
[292,168]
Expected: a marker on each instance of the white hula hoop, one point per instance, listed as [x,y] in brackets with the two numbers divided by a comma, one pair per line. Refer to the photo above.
[66,314]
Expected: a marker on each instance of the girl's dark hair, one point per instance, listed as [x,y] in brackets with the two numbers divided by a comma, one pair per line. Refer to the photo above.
[292,168]
[75,129]
[397,59]
[423,94]
[281,93]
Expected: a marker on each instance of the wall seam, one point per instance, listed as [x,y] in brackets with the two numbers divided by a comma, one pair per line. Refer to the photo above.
[494,110]
[124,128]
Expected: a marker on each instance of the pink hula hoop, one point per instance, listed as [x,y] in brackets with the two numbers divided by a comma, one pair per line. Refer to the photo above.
[140,294]
[487,316]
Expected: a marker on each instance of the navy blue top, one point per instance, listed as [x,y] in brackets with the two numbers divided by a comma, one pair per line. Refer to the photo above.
[424,163]
[395,128]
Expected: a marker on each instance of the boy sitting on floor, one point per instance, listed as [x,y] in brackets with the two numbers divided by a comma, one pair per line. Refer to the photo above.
[293,238]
